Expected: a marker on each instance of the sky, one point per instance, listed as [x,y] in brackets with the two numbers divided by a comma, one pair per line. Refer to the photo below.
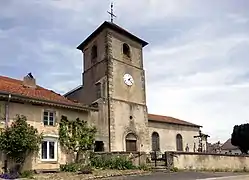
[196,63]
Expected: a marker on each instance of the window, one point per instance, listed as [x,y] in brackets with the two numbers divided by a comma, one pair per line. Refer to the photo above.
[94,52]
[126,50]
[155,142]
[49,118]
[49,149]
[179,145]
[99,146]
[98,90]
[131,143]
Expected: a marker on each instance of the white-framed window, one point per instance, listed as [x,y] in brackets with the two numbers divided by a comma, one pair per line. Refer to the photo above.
[49,118]
[49,146]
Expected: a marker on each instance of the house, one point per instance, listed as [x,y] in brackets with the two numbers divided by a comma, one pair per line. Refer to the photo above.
[228,148]
[214,148]
[43,109]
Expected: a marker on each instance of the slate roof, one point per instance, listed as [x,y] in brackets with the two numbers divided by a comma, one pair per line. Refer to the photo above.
[16,88]
[170,120]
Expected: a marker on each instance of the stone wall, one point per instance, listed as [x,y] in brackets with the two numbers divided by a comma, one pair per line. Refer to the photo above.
[203,161]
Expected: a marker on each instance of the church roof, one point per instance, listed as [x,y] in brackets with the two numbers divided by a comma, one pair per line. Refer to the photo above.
[37,94]
[114,27]
[170,120]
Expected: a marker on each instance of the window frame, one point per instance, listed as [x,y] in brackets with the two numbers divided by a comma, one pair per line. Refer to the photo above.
[98,90]
[155,141]
[179,141]
[94,53]
[48,140]
[48,116]
[131,142]
[126,52]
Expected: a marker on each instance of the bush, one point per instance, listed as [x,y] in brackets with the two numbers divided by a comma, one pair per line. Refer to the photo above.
[19,140]
[104,161]
[15,175]
[72,167]
[27,174]
[144,167]
[9,176]
[174,169]
[86,170]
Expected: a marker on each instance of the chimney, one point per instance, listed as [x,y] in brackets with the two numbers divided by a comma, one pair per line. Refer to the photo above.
[29,81]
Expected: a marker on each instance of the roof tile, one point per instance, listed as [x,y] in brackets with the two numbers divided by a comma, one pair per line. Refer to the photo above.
[14,86]
[228,145]
[167,119]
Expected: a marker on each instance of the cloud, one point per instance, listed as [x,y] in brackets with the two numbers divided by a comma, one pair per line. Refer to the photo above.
[197,59]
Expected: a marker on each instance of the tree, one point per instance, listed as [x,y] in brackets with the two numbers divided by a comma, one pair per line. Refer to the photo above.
[240,137]
[19,140]
[76,136]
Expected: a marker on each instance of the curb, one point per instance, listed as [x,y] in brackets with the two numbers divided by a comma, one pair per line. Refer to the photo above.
[117,175]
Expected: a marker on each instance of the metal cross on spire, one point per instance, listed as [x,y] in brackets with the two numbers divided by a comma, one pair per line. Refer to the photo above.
[111,13]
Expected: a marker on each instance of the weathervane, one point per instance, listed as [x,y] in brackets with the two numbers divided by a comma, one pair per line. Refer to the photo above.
[111,13]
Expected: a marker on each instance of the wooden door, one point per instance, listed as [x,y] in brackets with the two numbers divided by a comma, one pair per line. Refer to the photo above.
[131,145]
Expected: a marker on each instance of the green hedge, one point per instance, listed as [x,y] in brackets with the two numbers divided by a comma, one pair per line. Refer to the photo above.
[111,162]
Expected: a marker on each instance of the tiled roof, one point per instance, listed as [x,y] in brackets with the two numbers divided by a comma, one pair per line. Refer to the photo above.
[171,120]
[228,145]
[16,87]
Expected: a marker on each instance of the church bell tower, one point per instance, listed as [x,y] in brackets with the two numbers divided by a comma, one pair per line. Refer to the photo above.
[114,81]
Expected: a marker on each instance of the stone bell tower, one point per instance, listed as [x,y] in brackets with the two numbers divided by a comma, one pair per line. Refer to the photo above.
[114,81]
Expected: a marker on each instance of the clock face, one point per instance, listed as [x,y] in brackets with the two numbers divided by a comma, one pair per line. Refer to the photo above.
[128,80]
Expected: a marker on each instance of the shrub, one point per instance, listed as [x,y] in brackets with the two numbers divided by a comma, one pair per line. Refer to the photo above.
[86,170]
[19,140]
[71,167]
[27,174]
[9,176]
[76,136]
[144,167]
[174,169]
[104,161]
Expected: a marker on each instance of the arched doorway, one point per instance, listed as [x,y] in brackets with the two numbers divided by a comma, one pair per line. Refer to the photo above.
[131,142]
[155,142]
[179,144]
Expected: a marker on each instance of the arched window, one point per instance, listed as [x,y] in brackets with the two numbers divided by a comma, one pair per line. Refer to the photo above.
[155,142]
[126,50]
[179,145]
[94,52]
[131,142]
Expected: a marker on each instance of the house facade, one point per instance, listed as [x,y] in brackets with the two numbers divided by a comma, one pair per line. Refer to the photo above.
[43,109]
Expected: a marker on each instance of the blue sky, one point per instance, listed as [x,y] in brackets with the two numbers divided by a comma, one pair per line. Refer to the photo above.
[196,63]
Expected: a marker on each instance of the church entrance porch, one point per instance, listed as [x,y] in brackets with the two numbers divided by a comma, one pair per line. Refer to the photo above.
[131,142]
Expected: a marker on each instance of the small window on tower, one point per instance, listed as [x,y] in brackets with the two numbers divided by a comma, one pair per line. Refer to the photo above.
[126,50]
[94,52]
[98,90]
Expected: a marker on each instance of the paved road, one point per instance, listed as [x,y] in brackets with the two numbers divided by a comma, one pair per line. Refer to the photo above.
[187,176]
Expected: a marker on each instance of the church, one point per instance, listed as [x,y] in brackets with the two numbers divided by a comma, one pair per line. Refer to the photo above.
[112,97]
[113,81]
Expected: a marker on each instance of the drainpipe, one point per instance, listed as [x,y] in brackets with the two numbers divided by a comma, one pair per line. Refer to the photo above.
[6,125]
[7,111]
